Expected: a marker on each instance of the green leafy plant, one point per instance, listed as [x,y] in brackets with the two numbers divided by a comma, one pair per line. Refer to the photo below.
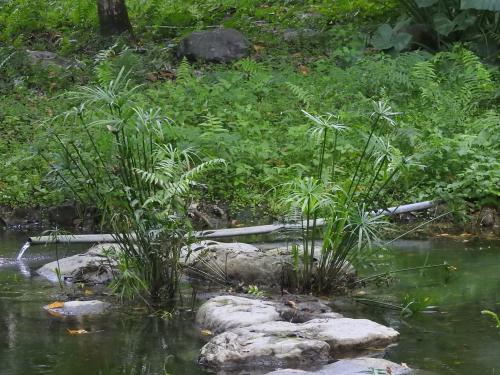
[255,291]
[138,180]
[349,220]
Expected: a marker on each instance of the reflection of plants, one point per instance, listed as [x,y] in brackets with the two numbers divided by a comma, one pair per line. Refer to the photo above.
[53,237]
[493,315]
[412,305]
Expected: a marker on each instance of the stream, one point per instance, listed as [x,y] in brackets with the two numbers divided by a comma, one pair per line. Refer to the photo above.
[451,338]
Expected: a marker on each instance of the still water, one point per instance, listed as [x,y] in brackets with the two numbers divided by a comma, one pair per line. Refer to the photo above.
[454,339]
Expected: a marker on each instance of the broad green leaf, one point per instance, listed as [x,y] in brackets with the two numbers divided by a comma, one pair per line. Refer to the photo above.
[401,41]
[443,24]
[382,39]
[493,5]
[425,3]
[464,20]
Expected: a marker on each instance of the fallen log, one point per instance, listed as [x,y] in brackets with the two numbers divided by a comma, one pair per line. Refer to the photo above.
[227,232]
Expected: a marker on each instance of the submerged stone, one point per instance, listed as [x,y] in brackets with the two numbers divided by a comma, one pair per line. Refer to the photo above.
[78,308]
[363,365]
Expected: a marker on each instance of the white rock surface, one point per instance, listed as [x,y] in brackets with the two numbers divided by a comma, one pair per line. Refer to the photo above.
[79,308]
[92,266]
[223,313]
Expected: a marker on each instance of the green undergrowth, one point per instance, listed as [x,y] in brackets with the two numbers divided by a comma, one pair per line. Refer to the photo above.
[249,112]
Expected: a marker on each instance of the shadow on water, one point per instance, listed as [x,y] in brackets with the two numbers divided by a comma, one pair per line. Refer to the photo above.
[454,339]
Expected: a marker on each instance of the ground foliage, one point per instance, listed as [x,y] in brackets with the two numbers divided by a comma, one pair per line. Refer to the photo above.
[249,112]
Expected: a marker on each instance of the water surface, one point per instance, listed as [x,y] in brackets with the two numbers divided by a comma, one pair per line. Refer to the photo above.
[455,339]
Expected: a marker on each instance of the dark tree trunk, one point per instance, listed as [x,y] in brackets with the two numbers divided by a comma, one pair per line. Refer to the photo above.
[113,17]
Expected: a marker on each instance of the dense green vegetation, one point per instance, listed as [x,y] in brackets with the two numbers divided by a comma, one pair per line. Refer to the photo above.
[249,112]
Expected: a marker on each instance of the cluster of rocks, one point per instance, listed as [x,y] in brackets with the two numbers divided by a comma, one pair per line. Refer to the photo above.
[252,334]
[221,263]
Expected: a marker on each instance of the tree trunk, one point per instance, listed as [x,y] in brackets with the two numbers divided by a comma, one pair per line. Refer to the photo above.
[113,17]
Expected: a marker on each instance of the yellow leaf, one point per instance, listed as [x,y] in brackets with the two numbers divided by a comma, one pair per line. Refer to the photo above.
[206,332]
[56,305]
[77,331]
[88,292]
[258,48]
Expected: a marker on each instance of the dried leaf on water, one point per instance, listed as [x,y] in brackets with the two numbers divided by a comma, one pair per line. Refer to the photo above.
[206,332]
[77,331]
[55,305]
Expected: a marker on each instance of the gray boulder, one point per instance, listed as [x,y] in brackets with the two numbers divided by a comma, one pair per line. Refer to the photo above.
[363,365]
[239,262]
[92,267]
[46,58]
[78,308]
[219,46]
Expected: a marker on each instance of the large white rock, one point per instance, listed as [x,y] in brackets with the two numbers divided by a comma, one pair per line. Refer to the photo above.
[223,313]
[238,262]
[363,365]
[92,267]
[247,349]
[79,308]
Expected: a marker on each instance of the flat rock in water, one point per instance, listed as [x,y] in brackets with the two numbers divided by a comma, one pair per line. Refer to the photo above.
[347,335]
[247,349]
[78,308]
[363,365]
[90,267]
[223,313]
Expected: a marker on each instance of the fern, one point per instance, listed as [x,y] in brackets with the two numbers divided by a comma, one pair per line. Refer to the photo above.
[184,72]
[301,94]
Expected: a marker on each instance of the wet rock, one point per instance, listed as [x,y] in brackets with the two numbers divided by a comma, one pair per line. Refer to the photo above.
[219,46]
[223,313]
[299,309]
[247,349]
[208,216]
[363,365]
[488,217]
[22,217]
[79,308]
[92,267]
[63,216]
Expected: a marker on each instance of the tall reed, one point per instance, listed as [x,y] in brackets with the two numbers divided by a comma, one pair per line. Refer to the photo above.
[348,207]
